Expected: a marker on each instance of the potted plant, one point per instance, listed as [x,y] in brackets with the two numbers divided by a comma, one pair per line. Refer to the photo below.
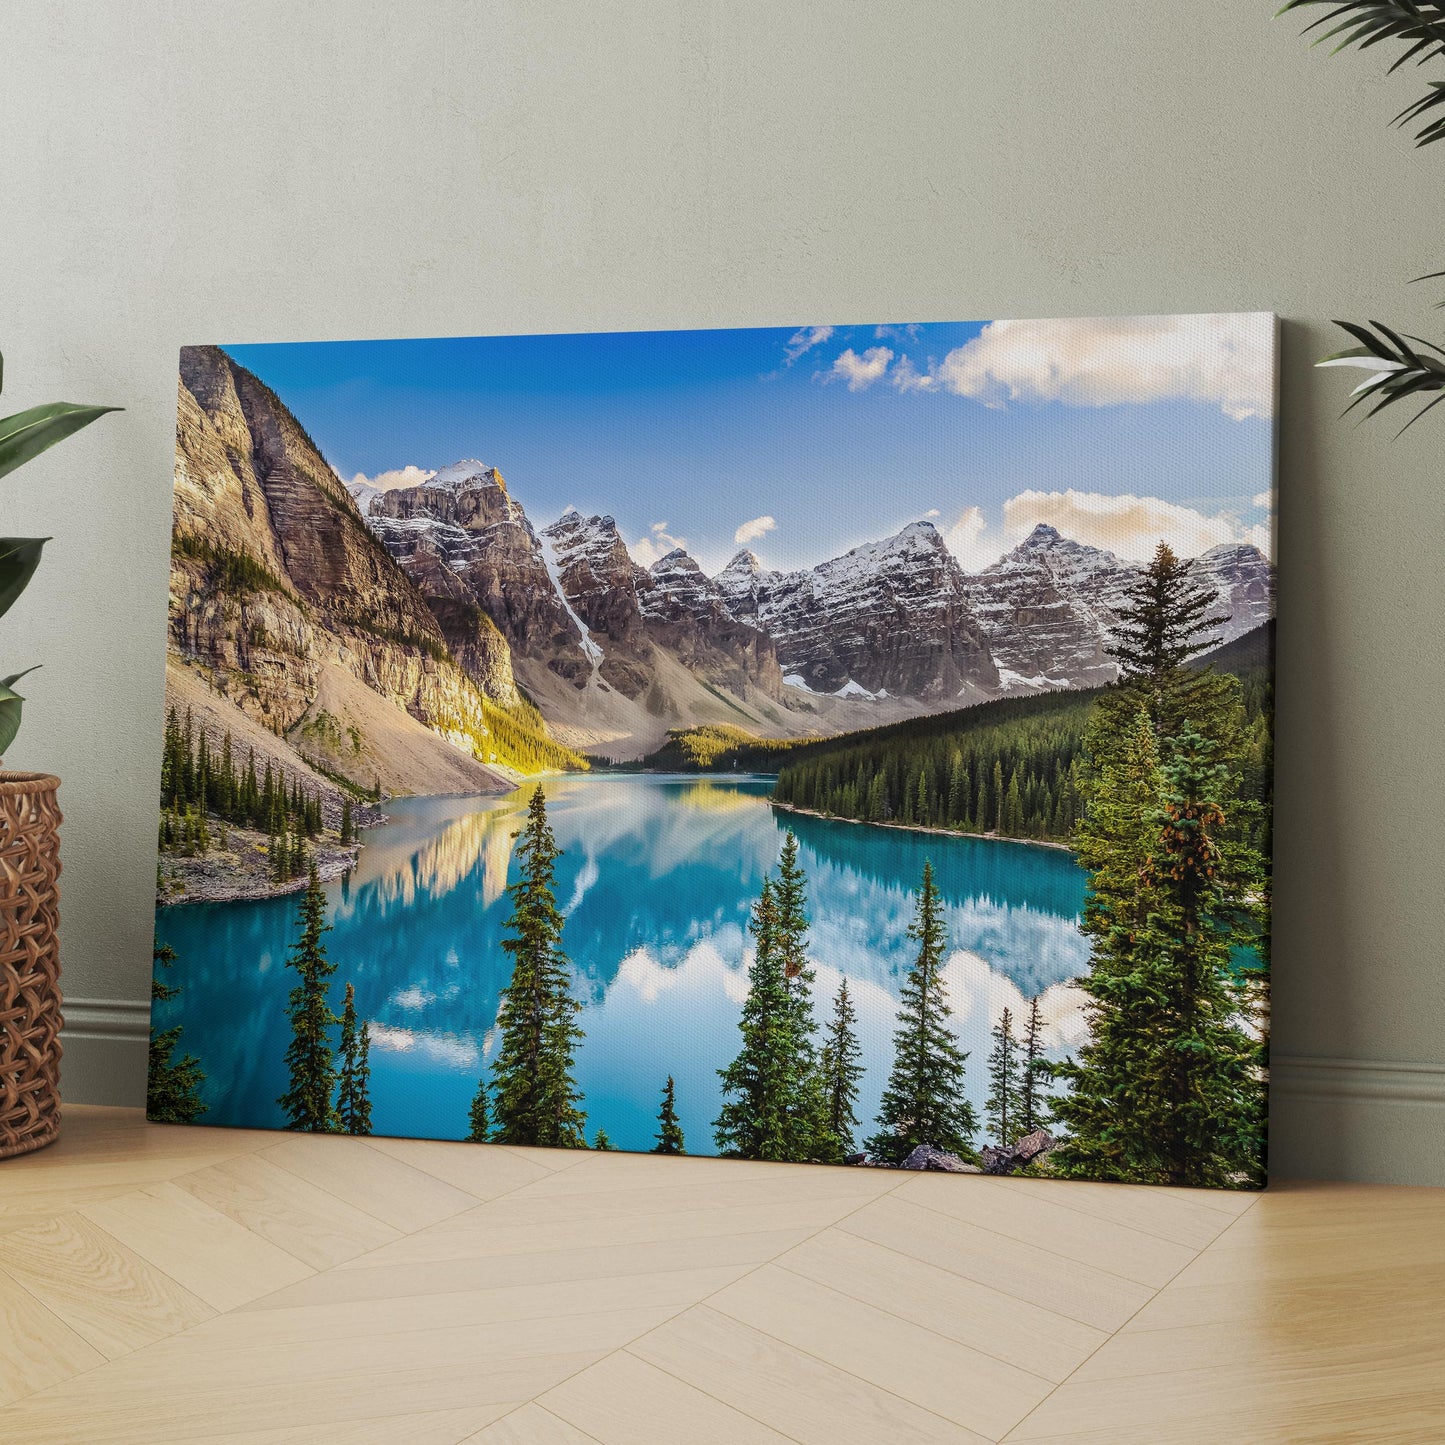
[29,845]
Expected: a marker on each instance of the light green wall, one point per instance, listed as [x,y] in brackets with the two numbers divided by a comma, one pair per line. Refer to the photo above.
[265,171]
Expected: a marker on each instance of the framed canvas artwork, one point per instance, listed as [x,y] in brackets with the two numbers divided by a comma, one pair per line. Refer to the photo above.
[837,744]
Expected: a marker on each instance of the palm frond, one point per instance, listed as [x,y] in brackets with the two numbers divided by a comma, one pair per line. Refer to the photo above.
[1419,24]
[1397,370]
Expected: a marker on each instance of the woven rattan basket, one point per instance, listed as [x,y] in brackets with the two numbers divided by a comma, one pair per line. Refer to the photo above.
[29,962]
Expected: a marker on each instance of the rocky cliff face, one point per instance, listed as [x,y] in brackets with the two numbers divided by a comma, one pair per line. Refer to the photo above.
[1047,608]
[687,612]
[598,580]
[275,579]
[889,619]
[462,537]
[1050,606]
[1244,581]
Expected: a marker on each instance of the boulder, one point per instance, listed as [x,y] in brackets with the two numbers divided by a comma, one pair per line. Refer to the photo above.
[1020,1152]
[925,1156]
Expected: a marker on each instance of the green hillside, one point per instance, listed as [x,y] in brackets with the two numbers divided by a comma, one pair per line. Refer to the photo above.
[1008,766]
[721,747]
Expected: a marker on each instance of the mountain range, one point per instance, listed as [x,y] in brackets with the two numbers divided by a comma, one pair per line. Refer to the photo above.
[614,652]
[436,637]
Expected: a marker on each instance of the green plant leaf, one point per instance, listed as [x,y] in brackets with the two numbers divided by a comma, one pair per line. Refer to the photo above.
[1420,24]
[28,433]
[19,557]
[10,705]
[1399,372]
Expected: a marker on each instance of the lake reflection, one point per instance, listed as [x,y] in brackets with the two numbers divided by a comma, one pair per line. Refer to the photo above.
[657,878]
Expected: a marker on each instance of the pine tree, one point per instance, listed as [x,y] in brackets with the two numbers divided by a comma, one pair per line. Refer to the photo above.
[924,1101]
[347,828]
[1169,616]
[669,1128]
[353,1100]
[759,1087]
[841,1068]
[1170,1087]
[808,1136]
[310,1058]
[1012,821]
[1032,1108]
[536,1096]
[602,1141]
[173,1086]
[477,1115]
[1002,1107]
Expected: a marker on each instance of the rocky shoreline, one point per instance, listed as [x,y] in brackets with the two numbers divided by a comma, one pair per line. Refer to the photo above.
[918,828]
[241,869]
[1032,1148]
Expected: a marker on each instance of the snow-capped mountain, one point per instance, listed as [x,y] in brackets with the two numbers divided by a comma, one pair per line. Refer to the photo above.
[1244,580]
[1047,608]
[362,494]
[1050,606]
[616,653]
[888,619]
[463,540]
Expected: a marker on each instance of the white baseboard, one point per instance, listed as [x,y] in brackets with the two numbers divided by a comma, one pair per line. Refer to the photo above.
[1351,1119]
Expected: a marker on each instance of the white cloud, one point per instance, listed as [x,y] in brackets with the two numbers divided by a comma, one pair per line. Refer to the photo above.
[805,340]
[862,371]
[751,531]
[1128,525]
[907,377]
[965,539]
[932,512]
[657,544]
[1262,499]
[390,481]
[1223,360]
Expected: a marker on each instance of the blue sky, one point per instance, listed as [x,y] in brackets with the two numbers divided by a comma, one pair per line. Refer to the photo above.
[804,441]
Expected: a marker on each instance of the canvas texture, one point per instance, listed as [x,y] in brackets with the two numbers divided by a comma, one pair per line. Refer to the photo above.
[847,745]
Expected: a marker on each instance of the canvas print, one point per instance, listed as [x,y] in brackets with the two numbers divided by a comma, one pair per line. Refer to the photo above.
[847,744]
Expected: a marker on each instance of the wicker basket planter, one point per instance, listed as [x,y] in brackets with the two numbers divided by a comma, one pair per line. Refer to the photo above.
[29,962]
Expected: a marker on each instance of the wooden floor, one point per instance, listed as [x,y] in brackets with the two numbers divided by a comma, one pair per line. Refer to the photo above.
[168,1284]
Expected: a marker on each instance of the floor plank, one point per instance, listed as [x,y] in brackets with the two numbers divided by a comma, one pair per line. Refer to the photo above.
[432,1427]
[1065,1286]
[986,1319]
[481,1170]
[1043,1223]
[624,1401]
[953,1380]
[531,1425]
[206,1252]
[538,1267]
[39,1348]
[801,1396]
[305,1220]
[111,1297]
[370,1180]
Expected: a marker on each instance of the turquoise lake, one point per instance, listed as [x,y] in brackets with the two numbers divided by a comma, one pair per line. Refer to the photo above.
[657,877]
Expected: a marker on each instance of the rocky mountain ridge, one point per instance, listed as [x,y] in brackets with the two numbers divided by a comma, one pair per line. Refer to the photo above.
[297,623]
[1049,606]
[893,626]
